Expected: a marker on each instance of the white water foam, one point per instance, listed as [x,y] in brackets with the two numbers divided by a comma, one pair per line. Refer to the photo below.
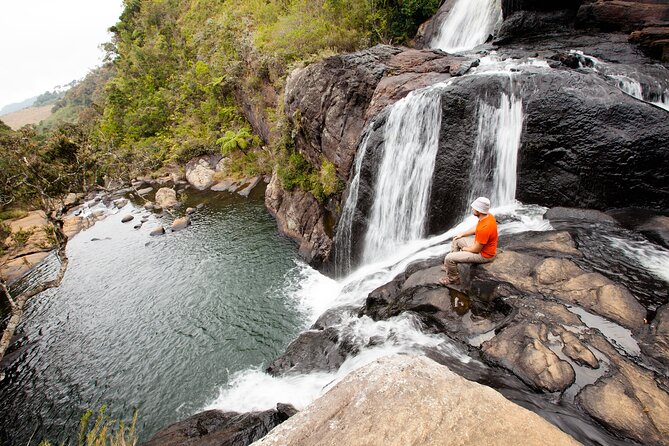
[403,185]
[315,293]
[468,24]
[652,257]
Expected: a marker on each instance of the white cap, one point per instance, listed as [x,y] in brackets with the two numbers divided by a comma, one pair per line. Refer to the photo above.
[481,204]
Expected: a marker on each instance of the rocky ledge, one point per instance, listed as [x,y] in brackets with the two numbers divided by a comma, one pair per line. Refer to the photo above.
[545,313]
[404,400]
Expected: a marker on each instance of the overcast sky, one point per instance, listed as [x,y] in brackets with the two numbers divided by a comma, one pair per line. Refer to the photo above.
[44,43]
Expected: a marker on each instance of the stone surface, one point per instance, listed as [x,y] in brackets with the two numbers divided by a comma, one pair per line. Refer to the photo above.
[160,230]
[522,349]
[300,217]
[564,280]
[121,203]
[631,401]
[180,223]
[200,171]
[313,350]
[402,400]
[656,341]
[166,198]
[146,190]
[127,218]
[217,428]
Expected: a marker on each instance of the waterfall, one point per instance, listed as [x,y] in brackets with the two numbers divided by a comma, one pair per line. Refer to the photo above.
[630,86]
[468,24]
[402,190]
[345,226]
[496,151]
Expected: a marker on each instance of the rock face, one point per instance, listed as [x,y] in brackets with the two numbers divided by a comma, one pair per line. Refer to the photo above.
[218,428]
[521,312]
[567,144]
[403,400]
[166,198]
[300,217]
[200,171]
[26,247]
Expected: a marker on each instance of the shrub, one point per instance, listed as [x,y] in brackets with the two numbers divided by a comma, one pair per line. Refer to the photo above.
[103,432]
[21,237]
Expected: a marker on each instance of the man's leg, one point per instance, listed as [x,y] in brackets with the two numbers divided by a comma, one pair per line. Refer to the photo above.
[454,258]
[456,247]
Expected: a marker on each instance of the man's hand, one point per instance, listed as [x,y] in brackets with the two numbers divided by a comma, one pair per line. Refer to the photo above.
[459,236]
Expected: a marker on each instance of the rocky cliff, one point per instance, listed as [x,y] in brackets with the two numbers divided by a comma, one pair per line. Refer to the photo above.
[580,123]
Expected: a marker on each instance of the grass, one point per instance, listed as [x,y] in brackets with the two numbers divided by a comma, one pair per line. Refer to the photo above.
[12,214]
[21,237]
[103,431]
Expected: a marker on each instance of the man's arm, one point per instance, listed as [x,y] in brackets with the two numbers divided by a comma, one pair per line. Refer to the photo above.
[475,248]
[472,231]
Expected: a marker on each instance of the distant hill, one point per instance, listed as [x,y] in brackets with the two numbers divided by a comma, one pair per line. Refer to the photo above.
[11,108]
[30,115]
[48,97]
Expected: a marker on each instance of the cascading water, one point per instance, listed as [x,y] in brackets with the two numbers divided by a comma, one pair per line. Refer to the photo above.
[345,226]
[630,86]
[404,180]
[468,24]
[496,151]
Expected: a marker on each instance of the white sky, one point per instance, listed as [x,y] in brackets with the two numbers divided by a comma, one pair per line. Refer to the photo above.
[44,43]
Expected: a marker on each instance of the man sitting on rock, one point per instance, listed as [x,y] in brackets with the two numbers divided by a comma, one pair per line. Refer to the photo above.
[481,248]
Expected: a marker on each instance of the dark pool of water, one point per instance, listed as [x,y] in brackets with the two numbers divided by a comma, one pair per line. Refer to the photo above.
[153,323]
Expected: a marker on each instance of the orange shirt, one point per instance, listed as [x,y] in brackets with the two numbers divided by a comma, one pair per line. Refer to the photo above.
[486,234]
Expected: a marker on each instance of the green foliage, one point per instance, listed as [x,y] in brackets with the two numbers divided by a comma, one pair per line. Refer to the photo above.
[12,214]
[240,140]
[21,237]
[295,172]
[48,97]
[103,431]
[186,70]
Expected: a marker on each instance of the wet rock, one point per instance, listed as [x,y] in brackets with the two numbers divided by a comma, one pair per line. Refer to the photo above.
[200,171]
[302,218]
[137,226]
[180,223]
[214,427]
[371,407]
[577,351]
[248,186]
[146,190]
[334,316]
[199,206]
[653,225]
[190,211]
[149,206]
[225,186]
[631,401]
[574,215]
[562,279]
[430,276]
[160,230]
[127,218]
[656,341]
[522,349]
[166,198]
[313,350]
[121,203]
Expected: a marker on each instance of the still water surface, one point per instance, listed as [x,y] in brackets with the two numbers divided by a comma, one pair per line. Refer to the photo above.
[153,323]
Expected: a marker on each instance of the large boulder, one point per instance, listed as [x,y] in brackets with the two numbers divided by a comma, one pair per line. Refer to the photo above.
[404,400]
[214,427]
[200,171]
[166,198]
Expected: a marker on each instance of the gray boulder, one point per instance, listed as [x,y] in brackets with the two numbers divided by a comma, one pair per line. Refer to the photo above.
[166,198]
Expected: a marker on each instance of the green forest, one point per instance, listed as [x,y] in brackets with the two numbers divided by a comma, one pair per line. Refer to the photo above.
[179,80]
